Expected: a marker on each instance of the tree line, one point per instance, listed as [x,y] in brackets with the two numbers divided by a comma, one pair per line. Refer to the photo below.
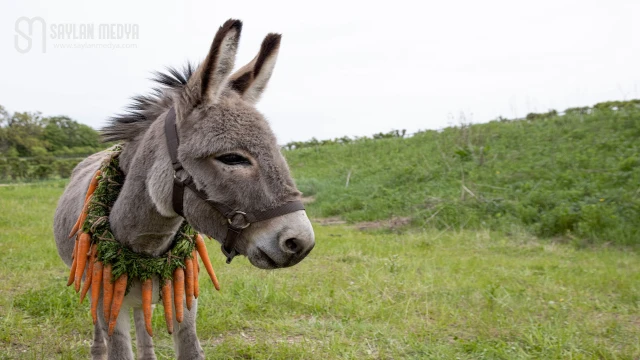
[34,147]
[603,106]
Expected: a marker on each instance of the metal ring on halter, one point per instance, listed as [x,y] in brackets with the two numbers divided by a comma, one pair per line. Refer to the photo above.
[238,212]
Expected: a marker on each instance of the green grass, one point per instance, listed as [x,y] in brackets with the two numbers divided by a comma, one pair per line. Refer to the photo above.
[576,176]
[359,295]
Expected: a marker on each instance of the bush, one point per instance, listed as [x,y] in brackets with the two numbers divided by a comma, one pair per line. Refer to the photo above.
[41,172]
[4,170]
[19,169]
[65,166]
[596,220]
[308,187]
[37,168]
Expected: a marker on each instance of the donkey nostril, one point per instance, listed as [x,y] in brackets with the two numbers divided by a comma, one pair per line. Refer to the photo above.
[292,244]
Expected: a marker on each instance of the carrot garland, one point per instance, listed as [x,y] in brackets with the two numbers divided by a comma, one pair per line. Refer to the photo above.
[166,303]
[89,278]
[93,185]
[188,282]
[119,288]
[147,291]
[76,226]
[81,218]
[108,267]
[204,255]
[83,249]
[196,284]
[96,282]
[107,288]
[85,212]
[178,293]
[74,264]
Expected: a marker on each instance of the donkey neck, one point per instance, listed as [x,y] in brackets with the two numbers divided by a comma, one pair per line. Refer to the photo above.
[140,218]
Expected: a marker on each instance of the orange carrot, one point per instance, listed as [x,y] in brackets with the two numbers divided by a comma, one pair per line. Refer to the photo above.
[196,283]
[75,227]
[178,292]
[188,281]
[166,303]
[204,255]
[96,282]
[107,286]
[81,218]
[83,214]
[93,184]
[119,288]
[74,264]
[75,248]
[147,290]
[83,250]
[89,277]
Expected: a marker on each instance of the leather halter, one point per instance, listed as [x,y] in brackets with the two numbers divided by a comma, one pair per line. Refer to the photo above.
[238,220]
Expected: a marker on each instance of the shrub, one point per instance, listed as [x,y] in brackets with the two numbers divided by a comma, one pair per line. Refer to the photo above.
[308,187]
[65,166]
[41,172]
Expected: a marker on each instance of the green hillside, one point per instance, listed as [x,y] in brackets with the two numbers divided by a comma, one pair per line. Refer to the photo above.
[575,176]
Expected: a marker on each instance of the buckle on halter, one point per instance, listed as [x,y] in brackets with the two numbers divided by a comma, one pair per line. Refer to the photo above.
[229,254]
[243,215]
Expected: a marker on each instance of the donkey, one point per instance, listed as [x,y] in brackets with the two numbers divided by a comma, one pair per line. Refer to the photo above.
[229,153]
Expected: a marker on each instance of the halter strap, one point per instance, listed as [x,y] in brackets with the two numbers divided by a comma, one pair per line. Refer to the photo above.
[237,220]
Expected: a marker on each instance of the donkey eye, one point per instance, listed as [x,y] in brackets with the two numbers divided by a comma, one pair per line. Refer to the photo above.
[233,159]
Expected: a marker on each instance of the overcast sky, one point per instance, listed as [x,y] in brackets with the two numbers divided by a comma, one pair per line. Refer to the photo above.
[345,68]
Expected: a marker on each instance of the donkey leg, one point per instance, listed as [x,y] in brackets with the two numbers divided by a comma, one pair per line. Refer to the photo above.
[118,344]
[185,339]
[99,346]
[143,340]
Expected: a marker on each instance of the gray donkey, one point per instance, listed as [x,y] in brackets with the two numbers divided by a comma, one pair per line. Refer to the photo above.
[226,148]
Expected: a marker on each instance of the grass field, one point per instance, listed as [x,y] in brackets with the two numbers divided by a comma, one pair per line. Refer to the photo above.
[416,294]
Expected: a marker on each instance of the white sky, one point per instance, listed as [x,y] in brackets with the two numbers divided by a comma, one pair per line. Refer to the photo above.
[345,68]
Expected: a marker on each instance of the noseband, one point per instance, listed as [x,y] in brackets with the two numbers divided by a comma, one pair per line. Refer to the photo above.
[237,220]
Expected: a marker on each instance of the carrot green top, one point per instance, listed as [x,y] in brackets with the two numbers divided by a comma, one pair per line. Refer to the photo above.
[122,259]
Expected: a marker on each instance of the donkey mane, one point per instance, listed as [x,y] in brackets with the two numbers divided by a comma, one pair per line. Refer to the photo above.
[144,109]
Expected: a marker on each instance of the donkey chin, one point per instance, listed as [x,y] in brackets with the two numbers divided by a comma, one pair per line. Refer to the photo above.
[280,242]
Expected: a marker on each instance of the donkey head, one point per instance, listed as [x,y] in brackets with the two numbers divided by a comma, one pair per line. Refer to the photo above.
[228,148]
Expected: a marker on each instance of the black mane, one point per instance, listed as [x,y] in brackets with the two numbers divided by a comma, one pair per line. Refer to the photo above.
[144,109]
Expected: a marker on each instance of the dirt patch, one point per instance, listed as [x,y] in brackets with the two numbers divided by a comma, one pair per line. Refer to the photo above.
[393,223]
[307,199]
[292,339]
[14,348]
[250,337]
[334,220]
[246,335]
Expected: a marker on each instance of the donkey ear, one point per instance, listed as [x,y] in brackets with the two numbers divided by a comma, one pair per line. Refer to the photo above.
[207,82]
[251,80]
